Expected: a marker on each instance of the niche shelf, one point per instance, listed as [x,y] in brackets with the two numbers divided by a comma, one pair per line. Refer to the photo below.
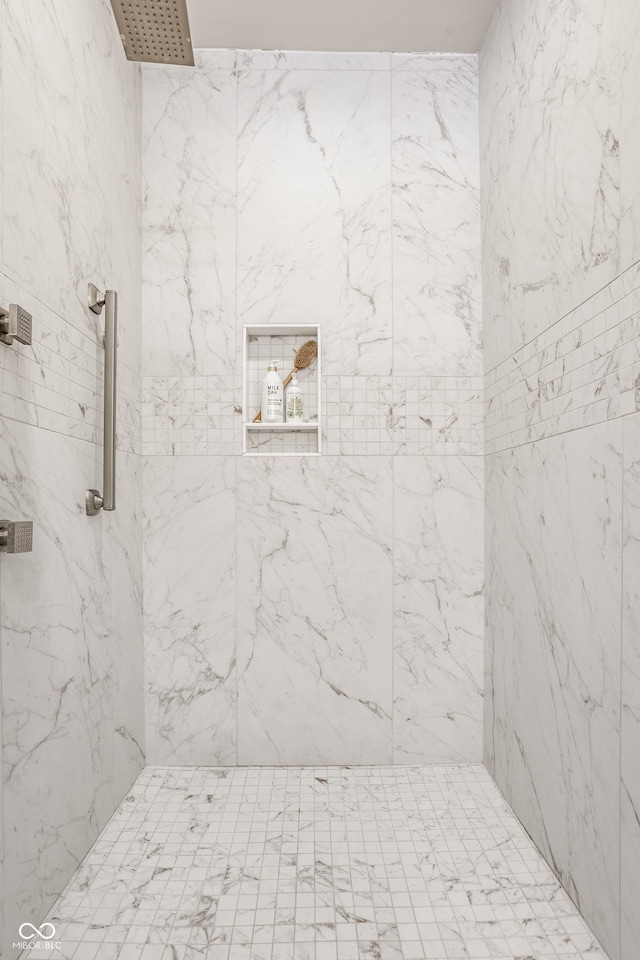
[279,343]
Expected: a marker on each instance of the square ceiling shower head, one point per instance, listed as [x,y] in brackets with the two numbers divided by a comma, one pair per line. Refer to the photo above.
[155,31]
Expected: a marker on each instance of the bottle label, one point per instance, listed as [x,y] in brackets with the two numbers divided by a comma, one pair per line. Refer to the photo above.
[294,408]
[272,400]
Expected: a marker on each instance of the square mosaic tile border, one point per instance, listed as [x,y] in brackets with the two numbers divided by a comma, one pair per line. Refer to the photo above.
[56,382]
[583,369]
[364,415]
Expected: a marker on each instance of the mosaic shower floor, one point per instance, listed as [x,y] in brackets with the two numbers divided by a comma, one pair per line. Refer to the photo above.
[316,864]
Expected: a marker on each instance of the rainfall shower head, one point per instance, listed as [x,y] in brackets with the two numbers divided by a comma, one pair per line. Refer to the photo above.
[155,31]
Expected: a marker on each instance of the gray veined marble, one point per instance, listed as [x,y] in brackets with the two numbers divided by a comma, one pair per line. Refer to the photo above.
[189,219]
[73,732]
[436,217]
[500,612]
[325,146]
[80,206]
[123,535]
[552,80]
[630,697]
[323,862]
[314,209]
[314,610]
[554,627]
[559,159]
[189,616]
[438,609]
[630,134]
[64,653]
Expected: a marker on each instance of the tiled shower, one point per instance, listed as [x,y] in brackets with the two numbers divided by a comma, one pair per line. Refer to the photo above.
[381,702]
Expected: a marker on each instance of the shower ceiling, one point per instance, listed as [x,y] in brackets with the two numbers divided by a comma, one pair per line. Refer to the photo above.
[358,25]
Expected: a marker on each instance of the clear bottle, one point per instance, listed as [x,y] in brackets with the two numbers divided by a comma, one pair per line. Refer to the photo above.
[295,412]
[271,406]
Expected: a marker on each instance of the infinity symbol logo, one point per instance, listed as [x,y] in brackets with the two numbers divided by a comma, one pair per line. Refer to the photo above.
[25,927]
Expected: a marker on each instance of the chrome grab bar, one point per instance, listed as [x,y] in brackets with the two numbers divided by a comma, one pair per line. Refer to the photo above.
[95,502]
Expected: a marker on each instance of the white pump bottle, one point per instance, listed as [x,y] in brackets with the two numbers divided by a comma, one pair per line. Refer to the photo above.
[272,407]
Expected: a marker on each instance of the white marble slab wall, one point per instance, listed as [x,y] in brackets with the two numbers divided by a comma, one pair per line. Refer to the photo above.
[70,611]
[630,695]
[438,608]
[553,77]
[2,895]
[629,133]
[561,260]
[315,589]
[190,596]
[436,224]
[340,190]
[314,217]
[564,563]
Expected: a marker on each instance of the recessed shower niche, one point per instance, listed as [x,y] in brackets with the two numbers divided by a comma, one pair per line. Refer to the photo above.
[286,346]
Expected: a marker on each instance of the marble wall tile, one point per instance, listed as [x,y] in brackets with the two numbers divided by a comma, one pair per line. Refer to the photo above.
[565,223]
[123,539]
[499,326]
[58,677]
[189,609]
[438,609]
[562,566]
[66,79]
[560,67]
[500,614]
[2,938]
[189,143]
[315,582]
[630,719]
[314,209]
[436,218]
[2,141]
[630,133]
[125,157]
[310,60]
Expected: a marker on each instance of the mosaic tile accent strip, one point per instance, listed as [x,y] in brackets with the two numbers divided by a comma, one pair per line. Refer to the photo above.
[191,415]
[56,382]
[403,415]
[420,863]
[583,369]
[361,415]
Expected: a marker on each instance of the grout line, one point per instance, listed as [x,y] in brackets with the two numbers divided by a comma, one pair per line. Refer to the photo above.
[244,413]
[393,609]
[621,700]
[391,250]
